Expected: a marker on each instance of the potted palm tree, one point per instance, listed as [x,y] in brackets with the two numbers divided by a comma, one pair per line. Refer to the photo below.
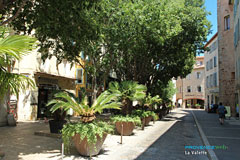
[149,103]
[89,133]
[127,92]
[12,48]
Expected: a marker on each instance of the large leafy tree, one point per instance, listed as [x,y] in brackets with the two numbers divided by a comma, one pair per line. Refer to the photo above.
[143,40]
[155,39]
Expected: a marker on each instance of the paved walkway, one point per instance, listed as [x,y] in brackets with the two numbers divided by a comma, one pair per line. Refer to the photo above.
[163,140]
[219,135]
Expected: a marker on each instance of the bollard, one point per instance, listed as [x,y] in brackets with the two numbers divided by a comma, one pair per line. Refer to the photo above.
[143,123]
[121,134]
[62,150]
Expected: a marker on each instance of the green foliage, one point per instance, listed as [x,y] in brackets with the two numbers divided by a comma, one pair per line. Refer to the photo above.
[12,48]
[66,100]
[128,90]
[150,101]
[166,91]
[144,40]
[88,130]
[198,105]
[155,40]
[128,118]
[142,114]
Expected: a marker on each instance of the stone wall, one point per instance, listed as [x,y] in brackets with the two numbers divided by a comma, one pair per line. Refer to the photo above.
[226,60]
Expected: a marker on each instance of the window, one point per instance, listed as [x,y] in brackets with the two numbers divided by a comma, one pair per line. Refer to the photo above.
[233,75]
[207,84]
[188,77]
[180,89]
[215,61]
[215,79]
[226,22]
[211,64]
[211,80]
[201,63]
[79,76]
[199,88]
[188,89]
[82,55]
[198,75]
[207,66]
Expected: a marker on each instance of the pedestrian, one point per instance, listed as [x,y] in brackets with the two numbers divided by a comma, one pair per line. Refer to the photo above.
[237,112]
[221,112]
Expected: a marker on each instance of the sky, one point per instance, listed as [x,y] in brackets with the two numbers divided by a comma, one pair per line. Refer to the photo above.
[211,6]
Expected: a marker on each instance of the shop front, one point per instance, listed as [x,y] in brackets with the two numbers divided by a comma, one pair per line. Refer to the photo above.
[48,85]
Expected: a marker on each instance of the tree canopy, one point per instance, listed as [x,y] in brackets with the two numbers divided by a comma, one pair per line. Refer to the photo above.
[143,40]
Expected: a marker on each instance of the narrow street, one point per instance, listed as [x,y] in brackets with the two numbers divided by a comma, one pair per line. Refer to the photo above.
[170,146]
[219,135]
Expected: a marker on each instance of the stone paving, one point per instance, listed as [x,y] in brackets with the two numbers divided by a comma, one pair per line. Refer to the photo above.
[163,140]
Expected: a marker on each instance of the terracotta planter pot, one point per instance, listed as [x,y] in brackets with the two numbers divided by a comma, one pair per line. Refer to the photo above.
[127,128]
[147,120]
[86,149]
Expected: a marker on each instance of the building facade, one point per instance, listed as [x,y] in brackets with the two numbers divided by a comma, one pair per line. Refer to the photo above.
[237,49]
[226,58]
[48,77]
[211,72]
[190,90]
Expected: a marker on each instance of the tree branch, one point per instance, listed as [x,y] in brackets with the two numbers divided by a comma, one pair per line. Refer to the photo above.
[16,14]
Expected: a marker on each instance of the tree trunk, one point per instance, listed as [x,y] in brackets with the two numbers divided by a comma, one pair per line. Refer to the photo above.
[126,106]
[3,111]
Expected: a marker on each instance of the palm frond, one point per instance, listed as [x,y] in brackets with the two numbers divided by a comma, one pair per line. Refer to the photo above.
[16,46]
[14,82]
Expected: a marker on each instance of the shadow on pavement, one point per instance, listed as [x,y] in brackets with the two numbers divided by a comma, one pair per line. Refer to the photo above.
[20,142]
[171,145]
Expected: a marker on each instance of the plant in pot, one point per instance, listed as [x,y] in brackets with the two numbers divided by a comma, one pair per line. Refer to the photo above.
[59,115]
[125,124]
[89,133]
[56,125]
[198,106]
[127,92]
[148,102]
[146,116]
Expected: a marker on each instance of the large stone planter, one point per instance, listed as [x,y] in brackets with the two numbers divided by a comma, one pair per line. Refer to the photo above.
[127,128]
[86,149]
[147,120]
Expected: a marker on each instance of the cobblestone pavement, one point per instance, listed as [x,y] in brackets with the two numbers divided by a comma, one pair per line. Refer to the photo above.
[219,135]
[163,140]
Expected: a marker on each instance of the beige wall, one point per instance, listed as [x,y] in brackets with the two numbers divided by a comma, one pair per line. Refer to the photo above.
[226,56]
[211,89]
[192,81]
[30,65]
